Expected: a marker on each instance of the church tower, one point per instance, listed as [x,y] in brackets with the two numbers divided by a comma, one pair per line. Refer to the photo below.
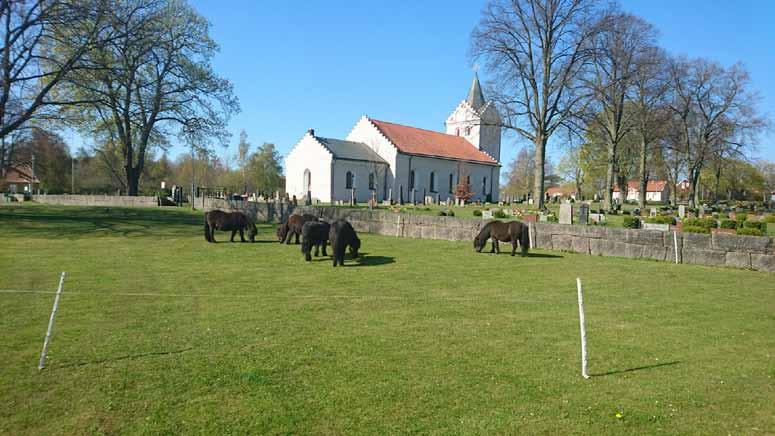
[477,120]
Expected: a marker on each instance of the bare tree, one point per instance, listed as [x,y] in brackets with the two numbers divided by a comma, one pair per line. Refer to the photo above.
[536,50]
[30,67]
[713,110]
[621,47]
[153,81]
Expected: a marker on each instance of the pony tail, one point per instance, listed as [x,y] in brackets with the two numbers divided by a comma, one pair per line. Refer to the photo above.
[525,239]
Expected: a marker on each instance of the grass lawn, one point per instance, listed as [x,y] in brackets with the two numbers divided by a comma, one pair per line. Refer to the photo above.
[159,332]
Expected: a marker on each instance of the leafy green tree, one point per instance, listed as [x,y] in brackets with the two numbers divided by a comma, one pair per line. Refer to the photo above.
[153,80]
[265,168]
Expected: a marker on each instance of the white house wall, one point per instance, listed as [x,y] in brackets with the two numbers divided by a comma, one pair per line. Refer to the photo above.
[308,154]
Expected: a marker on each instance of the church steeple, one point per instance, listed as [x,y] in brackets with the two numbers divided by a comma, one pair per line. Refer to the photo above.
[475,97]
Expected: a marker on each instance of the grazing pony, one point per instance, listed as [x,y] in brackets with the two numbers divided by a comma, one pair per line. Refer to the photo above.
[342,235]
[513,231]
[314,233]
[293,227]
[229,221]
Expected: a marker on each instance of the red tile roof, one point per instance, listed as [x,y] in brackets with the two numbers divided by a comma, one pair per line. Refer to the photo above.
[562,190]
[411,140]
[19,174]
[651,186]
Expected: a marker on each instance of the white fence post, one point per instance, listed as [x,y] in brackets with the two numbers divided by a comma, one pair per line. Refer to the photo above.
[583,331]
[46,341]
[675,244]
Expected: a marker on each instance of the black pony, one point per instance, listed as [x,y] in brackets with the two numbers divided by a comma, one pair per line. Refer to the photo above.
[293,227]
[342,235]
[229,221]
[314,233]
[513,231]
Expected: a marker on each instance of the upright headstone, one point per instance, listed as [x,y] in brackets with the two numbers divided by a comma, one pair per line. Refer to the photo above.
[653,211]
[566,213]
[584,214]
[308,200]
[702,211]
[487,214]
[681,211]
[438,199]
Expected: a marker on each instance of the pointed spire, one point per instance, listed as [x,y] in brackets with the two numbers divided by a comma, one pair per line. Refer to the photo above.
[475,97]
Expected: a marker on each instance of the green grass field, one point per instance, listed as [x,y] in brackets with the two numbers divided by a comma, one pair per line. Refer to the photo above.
[159,332]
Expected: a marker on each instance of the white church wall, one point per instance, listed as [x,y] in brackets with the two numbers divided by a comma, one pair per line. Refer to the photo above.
[308,154]
[423,166]
[360,171]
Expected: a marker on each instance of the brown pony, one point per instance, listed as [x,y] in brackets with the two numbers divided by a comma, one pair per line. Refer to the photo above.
[513,231]
[229,221]
[293,227]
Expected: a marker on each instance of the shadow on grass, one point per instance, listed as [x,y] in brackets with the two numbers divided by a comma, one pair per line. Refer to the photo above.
[640,368]
[120,358]
[544,255]
[365,260]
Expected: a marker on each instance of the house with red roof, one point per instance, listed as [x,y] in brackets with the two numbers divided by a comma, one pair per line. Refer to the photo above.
[18,179]
[393,161]
[657,191]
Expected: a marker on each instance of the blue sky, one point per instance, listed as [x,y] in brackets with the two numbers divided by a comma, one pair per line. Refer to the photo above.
[297,65]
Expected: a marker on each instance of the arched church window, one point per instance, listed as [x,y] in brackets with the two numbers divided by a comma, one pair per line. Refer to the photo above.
[468,130]
[451,179]
[348,181]
[307,183]
[457,131]
[433,181]
[371,181]
[411,180]
[484,185]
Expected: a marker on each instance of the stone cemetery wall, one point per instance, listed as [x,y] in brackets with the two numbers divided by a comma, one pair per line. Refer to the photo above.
[96,200]
[717,249]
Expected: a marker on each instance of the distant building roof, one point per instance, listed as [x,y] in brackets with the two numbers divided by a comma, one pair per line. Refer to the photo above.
[651,185]
[19,174]
[342,149]
[411,140]
[561,190]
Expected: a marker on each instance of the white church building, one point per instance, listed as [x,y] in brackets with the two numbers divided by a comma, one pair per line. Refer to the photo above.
[402,162]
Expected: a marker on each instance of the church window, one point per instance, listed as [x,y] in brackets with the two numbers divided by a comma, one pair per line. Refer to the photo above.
[348,181]
[411,180]
[468,130]
[457,131]
[307,180]
[433,182]
[484,186]
[451,179]
[371,181]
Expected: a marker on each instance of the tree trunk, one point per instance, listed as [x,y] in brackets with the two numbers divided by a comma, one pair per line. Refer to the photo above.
[643,175]
[694,181]
[610,179]
[717,185]
[132,181]
[538,184]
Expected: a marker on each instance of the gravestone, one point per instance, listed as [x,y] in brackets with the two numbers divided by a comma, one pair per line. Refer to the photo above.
[438,199]
[597,218]
[486,214]
[681,211]
[566,213]
[701,212]
[543,218]
[653,211]
[308,200]
[584,214]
